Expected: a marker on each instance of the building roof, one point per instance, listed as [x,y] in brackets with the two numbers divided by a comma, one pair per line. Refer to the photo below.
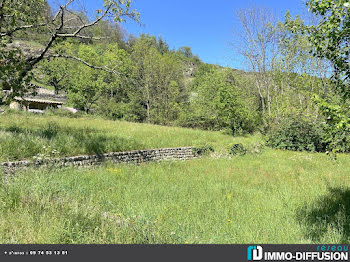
[36,100]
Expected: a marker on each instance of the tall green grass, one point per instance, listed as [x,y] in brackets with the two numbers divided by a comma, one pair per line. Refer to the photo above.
[273,197]
[26,136]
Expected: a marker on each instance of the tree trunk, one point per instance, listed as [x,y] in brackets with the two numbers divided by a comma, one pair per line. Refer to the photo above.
[261,95]
[148,104]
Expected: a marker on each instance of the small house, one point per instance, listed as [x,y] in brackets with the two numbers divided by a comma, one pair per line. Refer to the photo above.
[43,99]
[34,105]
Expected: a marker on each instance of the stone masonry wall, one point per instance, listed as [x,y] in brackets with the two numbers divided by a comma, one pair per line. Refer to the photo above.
[139,156]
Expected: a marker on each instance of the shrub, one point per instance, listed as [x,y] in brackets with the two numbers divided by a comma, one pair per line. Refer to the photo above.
[193,118]
[338,139]
[337,125]
[237,149]
[113,110]
[203,150]
[297,133]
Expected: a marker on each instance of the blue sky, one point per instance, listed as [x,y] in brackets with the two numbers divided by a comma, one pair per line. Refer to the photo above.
[206,26]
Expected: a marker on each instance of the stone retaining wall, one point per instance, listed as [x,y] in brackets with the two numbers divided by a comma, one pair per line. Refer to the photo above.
[139,156]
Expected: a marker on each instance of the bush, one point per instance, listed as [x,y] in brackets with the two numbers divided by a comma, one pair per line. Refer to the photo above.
[338,139]
[237,149]
[203,150]
[192,118]
[113,110]
[297,133]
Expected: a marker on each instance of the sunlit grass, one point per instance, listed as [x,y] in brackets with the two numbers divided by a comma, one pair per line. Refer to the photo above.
[273,197]
[25,136]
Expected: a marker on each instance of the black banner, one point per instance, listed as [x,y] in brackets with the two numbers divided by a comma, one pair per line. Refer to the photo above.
[162,253]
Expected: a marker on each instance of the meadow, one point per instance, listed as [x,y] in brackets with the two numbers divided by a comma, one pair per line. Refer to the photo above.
[274,197]
[24,136]
[270,197]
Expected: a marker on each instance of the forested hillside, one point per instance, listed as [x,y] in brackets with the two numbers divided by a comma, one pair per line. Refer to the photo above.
[287,93]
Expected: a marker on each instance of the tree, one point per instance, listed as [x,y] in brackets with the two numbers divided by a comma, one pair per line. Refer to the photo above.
[159,77]
[87,86]
[186,51]
[122,99]
[188,57]
[297,75]
[167,88]
[55,72]
[217,102]
[327,39]
[258,45]
[109,32]
[142,56]
[16,16]
[235,111]
[330,39]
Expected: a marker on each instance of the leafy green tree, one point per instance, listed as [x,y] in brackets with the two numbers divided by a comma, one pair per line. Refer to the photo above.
[122,99]
[310,52]
[186,51]
[331,38]
[296,75]
[20,16]
[16,16]
[110,33]
[55,72]
[87,85]
[160,79]
[167,88]
[218,103]
[235,112]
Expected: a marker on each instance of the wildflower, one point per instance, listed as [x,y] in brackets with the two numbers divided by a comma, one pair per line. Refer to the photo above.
[229,221]
[113,170]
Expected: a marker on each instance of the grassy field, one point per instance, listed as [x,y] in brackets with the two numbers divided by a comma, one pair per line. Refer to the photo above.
[271,197]
[274,197]
[24,136]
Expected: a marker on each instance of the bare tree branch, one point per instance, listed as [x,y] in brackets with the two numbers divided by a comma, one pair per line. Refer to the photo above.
[104,68]
[62,8]
[87,25]
[23,27]
[81,37]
